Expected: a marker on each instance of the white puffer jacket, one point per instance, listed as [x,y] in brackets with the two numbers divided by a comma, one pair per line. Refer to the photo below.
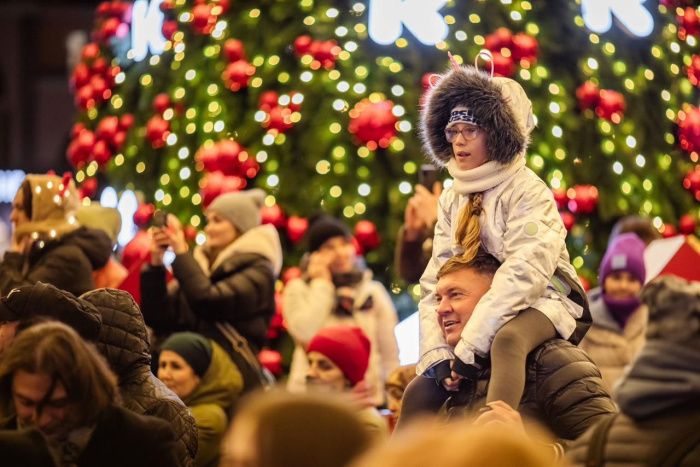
[521,227]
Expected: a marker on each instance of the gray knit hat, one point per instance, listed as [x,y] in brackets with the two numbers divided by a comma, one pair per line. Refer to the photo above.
[242,208]
[674,310]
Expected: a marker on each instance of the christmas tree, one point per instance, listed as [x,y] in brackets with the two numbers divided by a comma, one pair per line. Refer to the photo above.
[317,102]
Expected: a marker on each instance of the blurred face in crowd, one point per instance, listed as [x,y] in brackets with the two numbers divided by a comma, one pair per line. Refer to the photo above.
[7,334]
[620,285]
[17,215]
[323,375]
[341,252]
[457,293]
[468,145]
[394,396]
[220,232]
[177,374]
[41,402]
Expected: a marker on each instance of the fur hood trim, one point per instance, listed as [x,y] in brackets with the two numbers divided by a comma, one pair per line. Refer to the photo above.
[500,105]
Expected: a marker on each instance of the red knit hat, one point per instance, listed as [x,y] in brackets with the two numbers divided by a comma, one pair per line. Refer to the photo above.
[347,347]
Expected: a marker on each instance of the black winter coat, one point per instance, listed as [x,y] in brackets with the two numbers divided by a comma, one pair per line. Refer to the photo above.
[124,342]
[66,263]
[563,390]
[240,292]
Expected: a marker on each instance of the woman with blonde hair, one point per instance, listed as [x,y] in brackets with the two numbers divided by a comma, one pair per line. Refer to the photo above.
[54,382]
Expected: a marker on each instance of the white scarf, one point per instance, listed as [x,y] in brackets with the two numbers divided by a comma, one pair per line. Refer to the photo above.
[484,177]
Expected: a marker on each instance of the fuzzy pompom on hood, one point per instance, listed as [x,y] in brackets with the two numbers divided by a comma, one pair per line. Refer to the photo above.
[500,105]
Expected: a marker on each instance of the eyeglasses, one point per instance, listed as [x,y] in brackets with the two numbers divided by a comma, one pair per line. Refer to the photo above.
[468,132]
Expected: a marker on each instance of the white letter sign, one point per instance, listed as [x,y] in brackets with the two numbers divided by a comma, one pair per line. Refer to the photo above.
[388,17]
[598,15]
[146,29]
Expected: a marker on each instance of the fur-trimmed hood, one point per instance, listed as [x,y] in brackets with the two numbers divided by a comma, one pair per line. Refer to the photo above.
[500,105]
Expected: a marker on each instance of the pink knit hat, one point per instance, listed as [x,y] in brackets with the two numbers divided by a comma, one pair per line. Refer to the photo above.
[346,346]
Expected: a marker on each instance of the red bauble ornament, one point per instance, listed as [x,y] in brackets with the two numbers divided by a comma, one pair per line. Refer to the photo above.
[568,219]
[101,153]
[85,142]
[273,215]
[373,123]
[143,215]
[234,50]
[161,103]
[611,105]
[326,52]
[560,197]
[202,18]
[169,29]
[691,182]
[584,200]
[157,130]
[280,119]
[689,23]
[208,156]
[499,39]
[250,167]
[119,139]
[693,71]
[237,75]
[76,129]
[291,273]
[99,88]
[687,224]
[268,100]
[167,6]
[216,183]
[302,44]
[99,66]
[81,75]
[587,95]
[76,156]
[584,282]
[84,98]
[137,250]
[229,158]
[296,228]
[90,52]
[109,29]
[126,121]
[367,235]
[271,360]
[118,8]
[669,230]
[689,129]
[428,80]
[502,65]
[107,128]
[88,188]
[524,48]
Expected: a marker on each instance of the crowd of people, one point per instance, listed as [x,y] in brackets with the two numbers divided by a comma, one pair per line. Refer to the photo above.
[519,365]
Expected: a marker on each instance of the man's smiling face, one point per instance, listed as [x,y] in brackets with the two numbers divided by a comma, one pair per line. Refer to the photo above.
[458,292]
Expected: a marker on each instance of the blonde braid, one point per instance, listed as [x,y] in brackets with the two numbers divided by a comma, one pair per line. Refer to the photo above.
[468,228]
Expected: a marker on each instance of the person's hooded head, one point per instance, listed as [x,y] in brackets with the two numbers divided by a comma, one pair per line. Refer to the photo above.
[622,274]
[467,97]
[45,206]
[231,215]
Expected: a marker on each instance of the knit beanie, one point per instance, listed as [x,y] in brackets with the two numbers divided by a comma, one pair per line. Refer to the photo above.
[53,206]
[346,346]
[194,348]
[99,217]
[322,228]
[625,253]
[242,208]
[674,310]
